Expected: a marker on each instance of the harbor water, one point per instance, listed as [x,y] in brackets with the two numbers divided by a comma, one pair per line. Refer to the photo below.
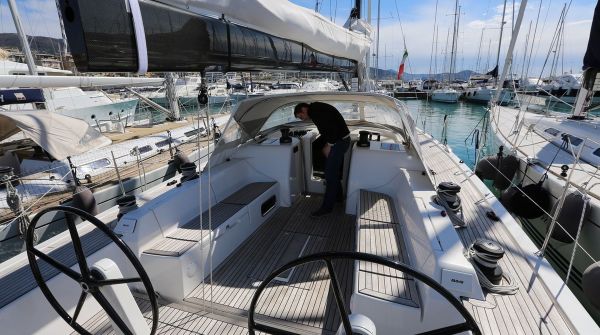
[463,127]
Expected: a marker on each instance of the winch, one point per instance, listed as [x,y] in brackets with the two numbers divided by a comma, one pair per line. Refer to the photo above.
[485,255]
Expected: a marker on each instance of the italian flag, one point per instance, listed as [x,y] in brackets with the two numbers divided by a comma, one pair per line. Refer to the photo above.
[401,68]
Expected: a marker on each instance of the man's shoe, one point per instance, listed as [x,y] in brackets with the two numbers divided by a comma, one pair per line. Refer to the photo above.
[320,213]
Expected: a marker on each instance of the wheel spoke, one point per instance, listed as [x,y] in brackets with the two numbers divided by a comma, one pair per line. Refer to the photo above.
[106,282]
[339,298]
[79,306]
[454,329]
[61,267]
[112,314]
[85,272]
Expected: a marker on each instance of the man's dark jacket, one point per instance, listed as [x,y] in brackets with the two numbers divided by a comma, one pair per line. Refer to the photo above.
[329,121]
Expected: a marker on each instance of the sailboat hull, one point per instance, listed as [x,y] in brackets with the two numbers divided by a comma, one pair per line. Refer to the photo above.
[449,96]
[122,111]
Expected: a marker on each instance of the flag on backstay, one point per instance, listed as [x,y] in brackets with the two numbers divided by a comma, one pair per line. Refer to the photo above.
[401,68]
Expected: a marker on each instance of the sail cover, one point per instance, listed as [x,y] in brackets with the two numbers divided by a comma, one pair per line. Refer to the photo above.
[198,35]
[61,136]
[287,20]
[592,55]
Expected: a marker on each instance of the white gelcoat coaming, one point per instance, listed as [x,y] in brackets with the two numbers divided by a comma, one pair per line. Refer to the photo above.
[431,240]
[315,184]
[176,277]
[312,184]
[274,162]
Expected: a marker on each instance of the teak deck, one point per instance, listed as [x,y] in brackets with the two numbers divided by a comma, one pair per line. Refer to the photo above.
[301,300]
[531,310]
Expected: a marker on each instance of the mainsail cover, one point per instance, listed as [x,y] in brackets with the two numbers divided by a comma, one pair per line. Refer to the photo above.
[216,35]
[61,136]
[592,55]
[287,20]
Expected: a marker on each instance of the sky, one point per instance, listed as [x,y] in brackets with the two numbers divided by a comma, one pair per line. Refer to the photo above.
[411,23]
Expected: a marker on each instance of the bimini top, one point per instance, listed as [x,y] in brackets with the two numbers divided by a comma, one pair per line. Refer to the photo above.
[61,136]
[262,114]
[256,114]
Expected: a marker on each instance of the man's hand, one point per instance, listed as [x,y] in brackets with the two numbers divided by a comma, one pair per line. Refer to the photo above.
[326,149]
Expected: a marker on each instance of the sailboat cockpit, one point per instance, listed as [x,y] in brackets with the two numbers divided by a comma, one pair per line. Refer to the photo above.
[208,244]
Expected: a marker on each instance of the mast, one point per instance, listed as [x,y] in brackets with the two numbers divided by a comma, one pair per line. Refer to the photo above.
[479,51]
[434,41]
[21,33]
[453,47]
[500,41]
[377,49]
[511,47]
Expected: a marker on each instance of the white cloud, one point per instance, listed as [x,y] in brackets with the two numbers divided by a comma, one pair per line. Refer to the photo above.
[419,36]
[39,17]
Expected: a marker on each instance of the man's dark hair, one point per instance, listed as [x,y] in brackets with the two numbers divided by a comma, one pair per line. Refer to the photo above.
[299,107]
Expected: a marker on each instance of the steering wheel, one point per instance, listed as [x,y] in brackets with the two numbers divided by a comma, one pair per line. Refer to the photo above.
[469,325]
[89,281]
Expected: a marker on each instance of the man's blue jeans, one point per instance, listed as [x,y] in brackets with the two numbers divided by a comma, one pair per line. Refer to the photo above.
[333,167]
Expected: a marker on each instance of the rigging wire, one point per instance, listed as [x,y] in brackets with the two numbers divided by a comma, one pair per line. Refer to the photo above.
[402,31]
[434,41]
[539,45]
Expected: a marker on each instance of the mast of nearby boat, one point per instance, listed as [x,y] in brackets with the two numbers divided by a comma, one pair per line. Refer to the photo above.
[377,52]
[479,51]
[434,43]
[23,38]
[525,51]
[454,38]
[358,9]
[511,47]
[500,41]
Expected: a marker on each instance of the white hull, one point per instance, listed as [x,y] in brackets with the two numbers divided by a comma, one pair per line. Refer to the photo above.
[485,95]
[121,111]
[543,146]
[449,96]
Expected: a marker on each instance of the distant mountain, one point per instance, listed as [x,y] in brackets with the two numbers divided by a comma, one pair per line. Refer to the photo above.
[39,44]
[391,74]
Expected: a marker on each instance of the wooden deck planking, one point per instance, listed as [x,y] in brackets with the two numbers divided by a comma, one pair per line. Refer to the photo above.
[471,233]
[380,234]
[521,313]
[172,320]
[306,299]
